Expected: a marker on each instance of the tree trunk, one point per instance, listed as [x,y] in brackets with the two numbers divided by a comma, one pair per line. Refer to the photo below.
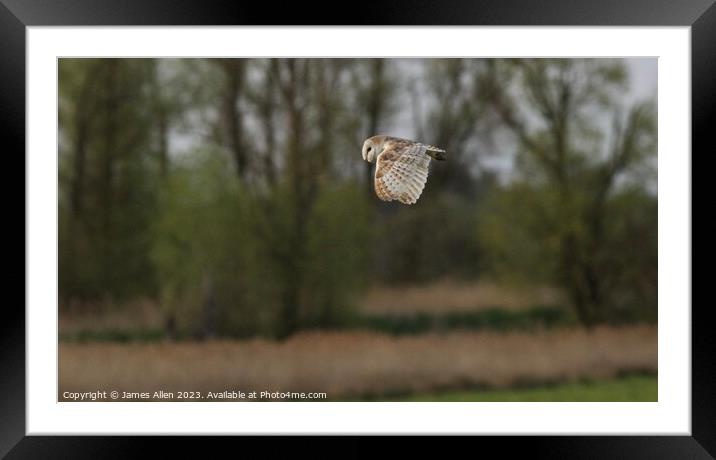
[376,104]
[163,128]
[266,112]
[77,186]
[234,70]
[110,110]
[209,308]
[302,182]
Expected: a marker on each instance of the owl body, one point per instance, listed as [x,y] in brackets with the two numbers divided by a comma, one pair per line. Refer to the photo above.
[401,166]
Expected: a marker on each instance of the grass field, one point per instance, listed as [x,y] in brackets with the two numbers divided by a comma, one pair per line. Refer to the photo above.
[436,298]
[361,363]
[104,348]
[635,388]
[455,296]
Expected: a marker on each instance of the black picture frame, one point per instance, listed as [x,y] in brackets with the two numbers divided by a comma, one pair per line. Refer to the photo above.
[17,15]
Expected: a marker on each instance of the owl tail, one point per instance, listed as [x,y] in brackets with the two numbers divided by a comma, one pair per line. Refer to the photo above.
[436,153]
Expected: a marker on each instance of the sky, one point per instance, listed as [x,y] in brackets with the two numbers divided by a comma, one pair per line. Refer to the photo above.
[642,85]
[643,73]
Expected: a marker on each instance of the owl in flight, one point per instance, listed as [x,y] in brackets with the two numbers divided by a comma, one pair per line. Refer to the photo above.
[401,166]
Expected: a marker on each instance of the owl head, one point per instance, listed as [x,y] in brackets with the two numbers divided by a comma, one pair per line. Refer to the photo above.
[372,147]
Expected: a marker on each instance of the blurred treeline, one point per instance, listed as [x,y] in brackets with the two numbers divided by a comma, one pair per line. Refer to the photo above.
[233,193]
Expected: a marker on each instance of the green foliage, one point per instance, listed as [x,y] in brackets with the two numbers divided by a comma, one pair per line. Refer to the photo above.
[627,388]
[521,235]
[219,244]
[107,179]
[493,319]
[572,213]
[338,263]
[630,257]
[213,261]
[340,317]
[429,240]
[519,245]
[113,335]
[233,192]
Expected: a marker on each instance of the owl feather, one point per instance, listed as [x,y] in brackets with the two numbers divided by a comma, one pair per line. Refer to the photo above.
[401,167]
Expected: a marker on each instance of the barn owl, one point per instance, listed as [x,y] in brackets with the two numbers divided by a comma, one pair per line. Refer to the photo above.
[401,166]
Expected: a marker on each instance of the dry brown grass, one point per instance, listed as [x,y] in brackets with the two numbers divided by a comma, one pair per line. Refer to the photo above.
[141,314]
[449,295]
[359,363]
[437,297]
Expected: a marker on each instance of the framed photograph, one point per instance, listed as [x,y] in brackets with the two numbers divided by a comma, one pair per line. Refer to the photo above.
[465,218]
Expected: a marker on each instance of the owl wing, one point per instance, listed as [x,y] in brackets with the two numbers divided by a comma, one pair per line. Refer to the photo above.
[401,171]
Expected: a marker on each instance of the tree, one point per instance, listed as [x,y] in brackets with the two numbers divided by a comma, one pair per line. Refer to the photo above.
[375,91]
[77,111]
[105,119]
[434,238]
[234,76]
[559,218]
[273,249]
[455,120]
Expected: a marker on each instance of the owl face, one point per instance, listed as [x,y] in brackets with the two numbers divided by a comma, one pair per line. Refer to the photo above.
[372,148]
